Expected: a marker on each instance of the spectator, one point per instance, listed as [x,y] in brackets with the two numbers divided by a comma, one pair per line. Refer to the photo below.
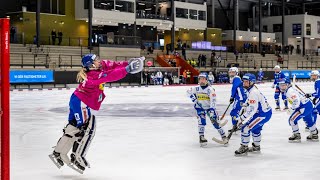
[170,78]
[213,59]
[211,78]
[165,79]
[159,77]
[184,77]
[291,49]
[188,77]
[12,34]
[280,59]
[236,53]
[199,60]
[53,36]
[203,60]
[60,34]
[184,51]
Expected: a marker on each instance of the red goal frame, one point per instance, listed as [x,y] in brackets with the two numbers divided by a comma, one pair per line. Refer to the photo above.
[4,91]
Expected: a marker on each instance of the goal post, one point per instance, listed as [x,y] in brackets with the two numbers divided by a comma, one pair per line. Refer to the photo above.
[4,91]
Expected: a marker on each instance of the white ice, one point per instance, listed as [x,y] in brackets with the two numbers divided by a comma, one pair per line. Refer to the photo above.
[153,148]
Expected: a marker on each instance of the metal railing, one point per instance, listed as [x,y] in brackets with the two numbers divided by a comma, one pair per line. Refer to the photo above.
[30,60]
[308,64]
[269,64]
[143,15]
[69,61]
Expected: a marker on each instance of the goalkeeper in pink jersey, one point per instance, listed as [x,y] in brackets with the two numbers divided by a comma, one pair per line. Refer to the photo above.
[80,130]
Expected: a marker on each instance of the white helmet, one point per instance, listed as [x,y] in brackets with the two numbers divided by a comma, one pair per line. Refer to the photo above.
[277,67]
[234,69]
[315,72]
[260,69]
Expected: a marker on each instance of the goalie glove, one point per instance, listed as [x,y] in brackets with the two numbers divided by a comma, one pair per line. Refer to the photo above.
[135,65]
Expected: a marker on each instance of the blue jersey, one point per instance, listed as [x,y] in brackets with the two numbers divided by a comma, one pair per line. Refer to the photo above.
[317,89]
[278,77]
[260,74]
[237,90]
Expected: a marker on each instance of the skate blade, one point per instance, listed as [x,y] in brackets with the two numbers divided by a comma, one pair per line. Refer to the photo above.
[241,155]
[76,169]
[203,144]
[313,140]
[254,152]
[54,160]
[295,141]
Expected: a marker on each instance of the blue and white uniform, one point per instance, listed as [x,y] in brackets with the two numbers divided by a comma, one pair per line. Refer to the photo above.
[204,99]
[256,114]
[316,95]
[240,96]
[260,75]
[301,107]
[279,77]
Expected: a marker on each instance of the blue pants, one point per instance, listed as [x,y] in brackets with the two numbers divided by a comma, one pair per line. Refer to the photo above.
[79,112]
[305,112]
[283,96]
[254,126]
[234,113]
[201,115]
[316,111]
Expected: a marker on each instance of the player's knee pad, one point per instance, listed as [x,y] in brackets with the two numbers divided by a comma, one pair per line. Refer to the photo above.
[81,146]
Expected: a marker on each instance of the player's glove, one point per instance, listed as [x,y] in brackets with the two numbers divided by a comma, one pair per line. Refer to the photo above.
[314,101]
[213,116]
[290,111]
[307,95]
[135,65]
[244,104]
[231,100]
[272,86]
[240,122]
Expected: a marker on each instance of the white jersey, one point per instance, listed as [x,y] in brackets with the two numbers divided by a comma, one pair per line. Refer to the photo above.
[295,98]
[205,98]
[211,77]
[256,103]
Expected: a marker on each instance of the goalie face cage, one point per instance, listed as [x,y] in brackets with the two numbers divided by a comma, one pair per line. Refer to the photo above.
[4,91]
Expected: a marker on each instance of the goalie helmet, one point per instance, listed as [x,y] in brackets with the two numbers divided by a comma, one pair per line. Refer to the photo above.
[87,60]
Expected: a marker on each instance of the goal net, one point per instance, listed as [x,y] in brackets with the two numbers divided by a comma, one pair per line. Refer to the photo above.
[4,98]
[150,75]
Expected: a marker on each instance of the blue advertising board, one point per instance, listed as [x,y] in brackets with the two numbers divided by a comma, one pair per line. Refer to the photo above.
[300,74]
[25,76]
[296,29]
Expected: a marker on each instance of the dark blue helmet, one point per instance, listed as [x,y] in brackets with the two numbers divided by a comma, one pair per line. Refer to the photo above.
[87,60]
[285,80]
[250,77]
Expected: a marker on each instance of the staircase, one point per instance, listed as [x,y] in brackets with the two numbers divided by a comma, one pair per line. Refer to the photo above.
[163,61]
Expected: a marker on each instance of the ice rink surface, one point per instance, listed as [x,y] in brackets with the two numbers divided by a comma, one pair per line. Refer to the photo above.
[151,133]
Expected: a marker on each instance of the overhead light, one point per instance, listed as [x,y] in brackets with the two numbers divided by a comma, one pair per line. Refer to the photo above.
[240,36]
[119,5]
[87,20]
[142,4]
[148,9]
[298,37]
[311,38]
[106,4]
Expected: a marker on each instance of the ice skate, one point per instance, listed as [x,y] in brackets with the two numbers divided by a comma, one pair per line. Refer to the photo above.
[242,151]
[254,148]
[277,108]
[75,165]
[295,138]
[313,137]
[203,141]
[286,108]
[56,159]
